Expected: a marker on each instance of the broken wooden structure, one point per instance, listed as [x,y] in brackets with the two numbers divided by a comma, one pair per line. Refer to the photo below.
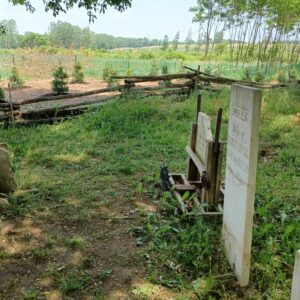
[200,188]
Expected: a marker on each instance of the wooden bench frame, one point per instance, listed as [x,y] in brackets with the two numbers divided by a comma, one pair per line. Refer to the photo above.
[203,184]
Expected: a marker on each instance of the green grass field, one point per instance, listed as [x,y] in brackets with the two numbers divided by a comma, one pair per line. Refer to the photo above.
[100,164]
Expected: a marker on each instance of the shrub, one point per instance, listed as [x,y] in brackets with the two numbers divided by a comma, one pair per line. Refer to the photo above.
[164,69]
[107,74]
[281,76]
[293,74]
[216,71]
[78,75]
[15,79]
[247,74]
[153,68]
[259,77]
[208,69]
[129,72]
[59,83]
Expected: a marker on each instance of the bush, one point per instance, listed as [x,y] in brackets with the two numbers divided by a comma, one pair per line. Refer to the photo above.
[59,83]
[281,76]
[247,74]
[78,75]
[107,74]
[293,74]
[164,69]
[153,68]
[15,79]
[208,70]
[129,72]
[259,77]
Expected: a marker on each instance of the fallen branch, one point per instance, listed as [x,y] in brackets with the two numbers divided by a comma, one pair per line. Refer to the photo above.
[70,109]
[73,95]
[223,80]
[136,79]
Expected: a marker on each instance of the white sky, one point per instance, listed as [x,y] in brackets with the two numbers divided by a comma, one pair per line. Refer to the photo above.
[146,18]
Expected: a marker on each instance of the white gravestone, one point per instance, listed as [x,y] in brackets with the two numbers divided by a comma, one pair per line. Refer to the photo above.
[204,136]
[240,178]
[296,279]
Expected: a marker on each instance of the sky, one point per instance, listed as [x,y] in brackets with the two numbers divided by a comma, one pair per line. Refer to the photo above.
[146,18]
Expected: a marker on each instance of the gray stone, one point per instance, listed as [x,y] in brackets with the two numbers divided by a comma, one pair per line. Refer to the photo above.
[3,202]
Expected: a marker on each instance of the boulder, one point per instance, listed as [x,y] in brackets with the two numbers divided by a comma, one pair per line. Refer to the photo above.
[7,183]
[3,202]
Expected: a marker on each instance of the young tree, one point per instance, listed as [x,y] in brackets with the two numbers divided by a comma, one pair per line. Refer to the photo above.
[165,45]
[9,38]
[176,41]
[15,79]
[32,39]
[2,29]
[78,75]
[205,13]
[107,73]
[59,83]
[188,40]
[65,35]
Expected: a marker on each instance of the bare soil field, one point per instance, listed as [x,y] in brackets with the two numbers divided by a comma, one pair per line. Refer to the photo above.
[39,88]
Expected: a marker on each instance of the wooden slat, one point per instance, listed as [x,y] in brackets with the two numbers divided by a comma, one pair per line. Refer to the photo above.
[184,180]
[195,159]
[211,172]
[219,172]
[192,171]
[185,187]
[73,95]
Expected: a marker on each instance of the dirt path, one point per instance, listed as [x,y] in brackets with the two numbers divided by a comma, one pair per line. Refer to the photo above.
[73,252]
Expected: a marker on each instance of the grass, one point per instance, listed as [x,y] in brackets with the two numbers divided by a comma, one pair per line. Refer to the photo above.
[113,156]
[39,63]
[75,243]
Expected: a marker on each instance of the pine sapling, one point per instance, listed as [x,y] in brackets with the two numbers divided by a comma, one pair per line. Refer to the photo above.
[15,79]
[165,71]
[154,68]
[107,74]
[78,75]
[59,83]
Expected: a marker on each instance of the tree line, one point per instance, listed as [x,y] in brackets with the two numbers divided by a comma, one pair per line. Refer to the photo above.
[264,31]
[65,35]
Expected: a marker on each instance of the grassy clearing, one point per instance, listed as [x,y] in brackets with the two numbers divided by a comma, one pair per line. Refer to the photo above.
[97,165]
[39,63]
